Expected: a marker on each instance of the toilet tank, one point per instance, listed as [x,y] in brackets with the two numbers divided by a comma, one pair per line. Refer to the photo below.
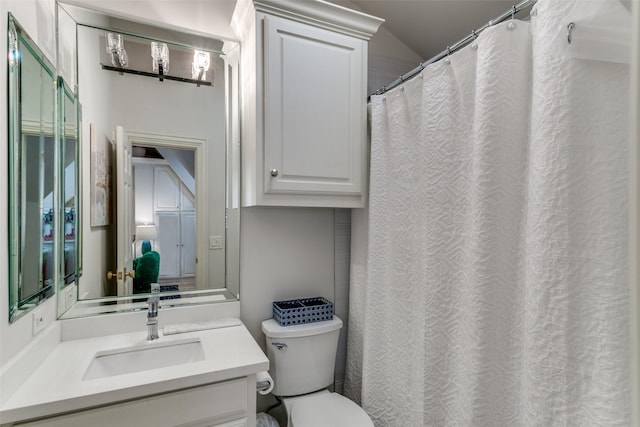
[302,357]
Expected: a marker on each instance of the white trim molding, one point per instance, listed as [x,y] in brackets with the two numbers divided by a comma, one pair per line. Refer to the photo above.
[324,15]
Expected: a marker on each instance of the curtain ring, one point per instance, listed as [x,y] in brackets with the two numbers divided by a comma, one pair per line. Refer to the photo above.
[511,25]
[447,60]
[570,28]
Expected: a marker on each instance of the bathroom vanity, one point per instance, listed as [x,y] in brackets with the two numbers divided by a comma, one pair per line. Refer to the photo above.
[202,378]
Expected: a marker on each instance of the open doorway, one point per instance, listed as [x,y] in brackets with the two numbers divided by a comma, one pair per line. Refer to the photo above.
[165,217]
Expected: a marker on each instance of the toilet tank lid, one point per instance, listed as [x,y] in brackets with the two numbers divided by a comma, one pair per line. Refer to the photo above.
[272,329]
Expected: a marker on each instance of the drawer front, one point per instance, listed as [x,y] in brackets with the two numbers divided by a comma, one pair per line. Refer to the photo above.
[212,405]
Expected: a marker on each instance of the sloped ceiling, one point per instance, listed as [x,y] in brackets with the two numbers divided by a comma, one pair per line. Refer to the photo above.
[429,26]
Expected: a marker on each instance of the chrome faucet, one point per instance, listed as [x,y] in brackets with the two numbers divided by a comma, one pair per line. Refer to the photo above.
[152,318]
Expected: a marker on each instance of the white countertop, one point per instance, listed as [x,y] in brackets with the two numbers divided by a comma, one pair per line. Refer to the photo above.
[57,385]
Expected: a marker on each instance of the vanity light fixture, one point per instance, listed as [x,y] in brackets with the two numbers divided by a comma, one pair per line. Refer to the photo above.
[14,53]
[115,48]
[160,60]
[160,55]
[200,65]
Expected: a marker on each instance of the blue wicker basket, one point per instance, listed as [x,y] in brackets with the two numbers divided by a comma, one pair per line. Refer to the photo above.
[299,311]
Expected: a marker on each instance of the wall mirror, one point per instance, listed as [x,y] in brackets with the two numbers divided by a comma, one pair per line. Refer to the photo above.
[33,189]
[158,165]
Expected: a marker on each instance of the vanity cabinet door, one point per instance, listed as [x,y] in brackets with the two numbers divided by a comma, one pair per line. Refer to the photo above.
[211,405]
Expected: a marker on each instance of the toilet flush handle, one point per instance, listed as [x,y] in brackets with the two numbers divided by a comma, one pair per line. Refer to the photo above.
[279,345]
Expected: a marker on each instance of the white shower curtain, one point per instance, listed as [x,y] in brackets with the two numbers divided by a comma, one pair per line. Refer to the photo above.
[489,274]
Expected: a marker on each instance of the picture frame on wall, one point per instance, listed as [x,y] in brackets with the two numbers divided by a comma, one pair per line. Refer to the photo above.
[101,177]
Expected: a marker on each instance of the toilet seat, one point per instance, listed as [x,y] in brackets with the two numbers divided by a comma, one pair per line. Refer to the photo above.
[328,409]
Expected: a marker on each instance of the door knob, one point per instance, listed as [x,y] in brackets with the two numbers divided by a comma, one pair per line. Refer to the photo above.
[274,172]
[119,274]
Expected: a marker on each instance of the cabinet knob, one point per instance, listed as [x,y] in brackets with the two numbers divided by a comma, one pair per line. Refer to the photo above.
[274,172]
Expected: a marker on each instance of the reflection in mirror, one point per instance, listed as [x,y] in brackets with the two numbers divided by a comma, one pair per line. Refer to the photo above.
[173,122]
[33,225]
[68,113]
[165,217]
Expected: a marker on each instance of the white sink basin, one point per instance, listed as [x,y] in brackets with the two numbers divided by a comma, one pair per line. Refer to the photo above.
[144,357]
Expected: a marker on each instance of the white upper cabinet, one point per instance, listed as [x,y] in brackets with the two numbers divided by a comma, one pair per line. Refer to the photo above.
[166,189]
[304,68]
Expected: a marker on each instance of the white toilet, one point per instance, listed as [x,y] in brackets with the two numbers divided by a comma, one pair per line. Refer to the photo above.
[302,361]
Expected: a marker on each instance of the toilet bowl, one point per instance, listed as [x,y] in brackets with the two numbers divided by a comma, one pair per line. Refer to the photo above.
[302,359]
[323,409]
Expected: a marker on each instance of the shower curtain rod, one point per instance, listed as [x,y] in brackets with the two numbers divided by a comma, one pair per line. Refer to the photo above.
[516,8]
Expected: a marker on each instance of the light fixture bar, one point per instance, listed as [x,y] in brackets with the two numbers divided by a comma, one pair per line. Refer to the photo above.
[155,75]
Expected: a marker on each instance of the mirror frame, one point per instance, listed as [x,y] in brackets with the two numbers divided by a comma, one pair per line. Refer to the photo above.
[66,129]
[230,293]
[19,305]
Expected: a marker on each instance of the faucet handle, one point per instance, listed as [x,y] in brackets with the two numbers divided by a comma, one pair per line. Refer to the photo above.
[153,303]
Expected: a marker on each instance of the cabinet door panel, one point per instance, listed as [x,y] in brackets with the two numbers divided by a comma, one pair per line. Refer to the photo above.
[314,110]
[167,188]
[169,244]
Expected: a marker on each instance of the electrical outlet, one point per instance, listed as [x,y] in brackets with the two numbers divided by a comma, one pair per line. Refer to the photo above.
[69,297]
[215,242]
[39,320]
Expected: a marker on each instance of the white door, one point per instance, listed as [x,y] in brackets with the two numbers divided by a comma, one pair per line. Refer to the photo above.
[124,203]
[169,244]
